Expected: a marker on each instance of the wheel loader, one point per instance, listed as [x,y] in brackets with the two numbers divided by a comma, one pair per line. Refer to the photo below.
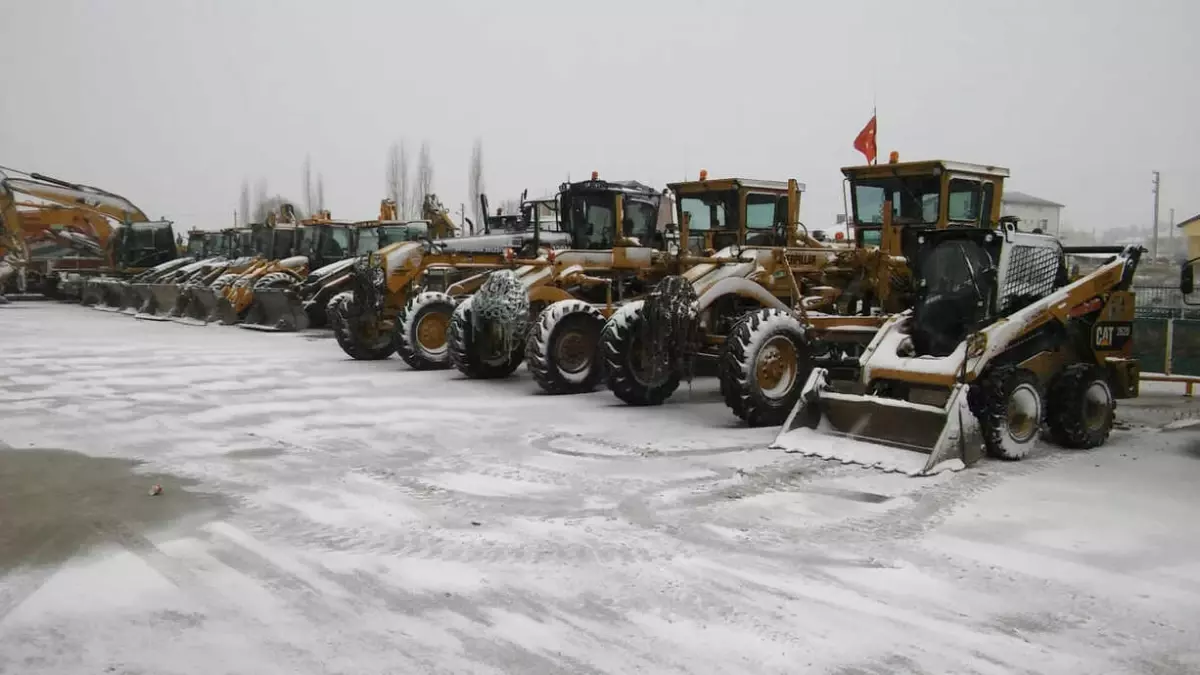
[229,251]
[716,312]
[550,312]
[384,283]
[299,306]
[998,346]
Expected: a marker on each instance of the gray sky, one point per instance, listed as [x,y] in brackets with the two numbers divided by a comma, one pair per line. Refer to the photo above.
[174,103]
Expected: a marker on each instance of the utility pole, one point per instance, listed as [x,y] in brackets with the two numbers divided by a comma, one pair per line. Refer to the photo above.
[1171,225]
[1156,181]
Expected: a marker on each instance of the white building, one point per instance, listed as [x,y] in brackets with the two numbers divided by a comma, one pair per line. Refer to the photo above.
[1034,212]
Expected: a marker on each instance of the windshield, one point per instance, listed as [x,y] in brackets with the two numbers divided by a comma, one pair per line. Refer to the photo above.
[709,211]
[641,219]
[914,199]
[592,221]
[303,240]
[282,243]
[335,242]
[390,234]
[195,246]
[368,240]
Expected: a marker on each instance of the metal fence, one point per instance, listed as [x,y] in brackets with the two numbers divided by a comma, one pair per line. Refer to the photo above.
[1166,332]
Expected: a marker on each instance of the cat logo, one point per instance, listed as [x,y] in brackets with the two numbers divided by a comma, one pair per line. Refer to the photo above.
[1112,335]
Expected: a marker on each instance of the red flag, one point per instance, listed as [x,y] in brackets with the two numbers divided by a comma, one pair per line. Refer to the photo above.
[865,141]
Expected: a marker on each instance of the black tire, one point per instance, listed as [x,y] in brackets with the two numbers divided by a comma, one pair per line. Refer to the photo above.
[277,280]
[623,376]
[425,319]
[466,358]
[349,334]
[769,343]
[563,350]
[1081,409]
[989,399]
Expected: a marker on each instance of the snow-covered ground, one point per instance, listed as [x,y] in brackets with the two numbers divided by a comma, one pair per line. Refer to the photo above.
[321,515]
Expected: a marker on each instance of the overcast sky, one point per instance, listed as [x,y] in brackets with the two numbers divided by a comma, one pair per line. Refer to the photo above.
[173,104]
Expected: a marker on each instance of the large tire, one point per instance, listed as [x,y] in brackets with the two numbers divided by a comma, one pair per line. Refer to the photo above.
[623,375]
[1081,409]
[222,282]
[464,355]
[350,336]
[276,280]
[421,331]
[1008,434]
[563,351]
[764,365]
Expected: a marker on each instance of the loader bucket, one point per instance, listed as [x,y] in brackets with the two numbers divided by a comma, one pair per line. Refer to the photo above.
[162,301]
[203,304]
[131,297]
[225,312]
[276,309]
[881,433]
[143,299]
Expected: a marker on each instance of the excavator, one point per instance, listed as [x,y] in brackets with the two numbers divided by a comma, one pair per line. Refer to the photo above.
[131,244]
[59,239]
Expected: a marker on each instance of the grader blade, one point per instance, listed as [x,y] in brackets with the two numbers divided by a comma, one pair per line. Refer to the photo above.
[276,309]
[882,433]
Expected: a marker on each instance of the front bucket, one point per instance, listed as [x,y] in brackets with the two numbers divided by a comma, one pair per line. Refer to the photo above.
[203,304]
[162,301]
[882,433]
[225,312]
[276,309]
[131,297]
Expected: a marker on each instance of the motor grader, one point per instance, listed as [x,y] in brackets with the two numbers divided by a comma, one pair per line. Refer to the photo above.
[999,344]
[719,309]
[303,305]
[383,283]
[550,312]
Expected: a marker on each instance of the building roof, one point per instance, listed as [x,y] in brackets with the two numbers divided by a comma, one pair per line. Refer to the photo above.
[1189,221]
[1014,197]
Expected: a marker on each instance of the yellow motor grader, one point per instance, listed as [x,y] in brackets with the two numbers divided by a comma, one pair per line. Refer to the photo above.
[770,277]
[550,312]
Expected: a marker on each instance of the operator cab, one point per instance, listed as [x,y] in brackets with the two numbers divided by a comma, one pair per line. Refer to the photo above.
[723,212]
[601,215]
[932,194]
[967,278]
[388,233]
[145,244]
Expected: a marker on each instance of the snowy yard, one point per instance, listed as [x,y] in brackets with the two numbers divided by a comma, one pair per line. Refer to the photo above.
[321,515]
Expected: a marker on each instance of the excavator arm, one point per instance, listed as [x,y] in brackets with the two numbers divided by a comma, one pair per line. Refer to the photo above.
[105,203]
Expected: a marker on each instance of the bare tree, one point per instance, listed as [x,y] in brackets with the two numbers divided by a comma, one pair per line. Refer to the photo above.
[394,189]
[424,185]
[404,204]
[476,180]
[244,204]
[320,193]
[308,184]
[260,200]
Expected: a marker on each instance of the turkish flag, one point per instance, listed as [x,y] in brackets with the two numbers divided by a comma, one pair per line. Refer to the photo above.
[865,141]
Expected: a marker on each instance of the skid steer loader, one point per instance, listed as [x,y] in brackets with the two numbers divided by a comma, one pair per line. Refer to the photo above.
[998,345]
[299,306]
[550,312]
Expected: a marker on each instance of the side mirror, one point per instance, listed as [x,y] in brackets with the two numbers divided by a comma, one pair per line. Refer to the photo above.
[1187,280]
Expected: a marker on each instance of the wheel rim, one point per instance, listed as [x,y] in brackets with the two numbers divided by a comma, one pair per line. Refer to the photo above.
[573,352]
[641,365]
[490,346]
[1024,413]
[431,332]
[1097,404]
[775,367]
[370,334]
